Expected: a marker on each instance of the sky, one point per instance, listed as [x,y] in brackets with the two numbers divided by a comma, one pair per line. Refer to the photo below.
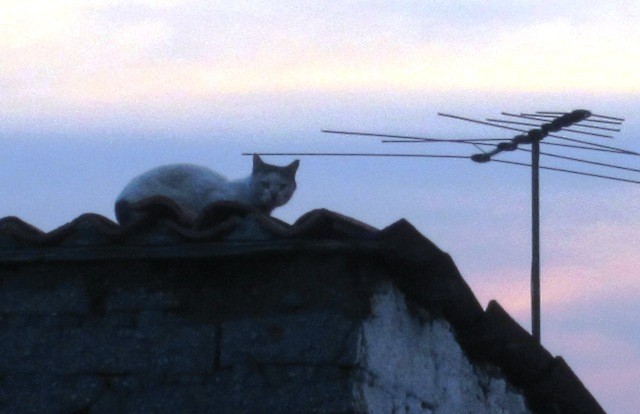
[95,92]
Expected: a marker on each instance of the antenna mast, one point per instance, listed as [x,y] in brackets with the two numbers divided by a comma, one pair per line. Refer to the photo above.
[553,122]
[534,137]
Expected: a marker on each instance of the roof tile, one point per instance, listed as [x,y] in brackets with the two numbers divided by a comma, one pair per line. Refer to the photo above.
[424,272]
[563,392]
[16,233]
[322,223]
[503,341]
[415,247]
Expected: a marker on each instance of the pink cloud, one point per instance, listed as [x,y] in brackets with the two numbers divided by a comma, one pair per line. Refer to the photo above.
[595,262]
[508,286]
[605,364]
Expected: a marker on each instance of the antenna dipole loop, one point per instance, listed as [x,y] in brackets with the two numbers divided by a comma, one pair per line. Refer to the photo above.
[536,134]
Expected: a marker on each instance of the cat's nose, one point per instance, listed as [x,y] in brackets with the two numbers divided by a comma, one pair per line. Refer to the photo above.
[273,195]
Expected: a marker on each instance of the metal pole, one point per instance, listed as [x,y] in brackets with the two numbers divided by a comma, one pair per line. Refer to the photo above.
[534,136]
[535,239]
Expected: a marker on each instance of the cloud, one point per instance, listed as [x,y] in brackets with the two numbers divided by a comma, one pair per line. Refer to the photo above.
[606,364]
[27,24]
[588,317]
[590,242]
[563,287]
[112,52]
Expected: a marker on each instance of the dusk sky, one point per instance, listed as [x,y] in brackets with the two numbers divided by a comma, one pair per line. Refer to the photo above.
[95,92]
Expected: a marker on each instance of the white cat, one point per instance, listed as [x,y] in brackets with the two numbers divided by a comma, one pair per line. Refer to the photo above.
[193,187]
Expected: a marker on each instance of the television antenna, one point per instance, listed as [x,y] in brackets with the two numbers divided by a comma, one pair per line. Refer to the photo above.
[546,125]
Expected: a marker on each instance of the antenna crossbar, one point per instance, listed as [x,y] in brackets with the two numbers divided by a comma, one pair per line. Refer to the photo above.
[547,124]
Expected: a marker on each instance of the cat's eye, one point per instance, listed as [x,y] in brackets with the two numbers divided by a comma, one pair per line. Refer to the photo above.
[283,186]
[265,184]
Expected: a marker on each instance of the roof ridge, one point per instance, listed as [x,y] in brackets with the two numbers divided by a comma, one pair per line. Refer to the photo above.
[425,273]
[323,223]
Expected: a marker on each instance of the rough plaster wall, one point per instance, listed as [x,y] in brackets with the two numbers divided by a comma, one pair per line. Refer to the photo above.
[413,364]
[210,336]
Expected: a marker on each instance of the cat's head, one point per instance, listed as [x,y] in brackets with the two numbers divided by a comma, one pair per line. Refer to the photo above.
[271,185]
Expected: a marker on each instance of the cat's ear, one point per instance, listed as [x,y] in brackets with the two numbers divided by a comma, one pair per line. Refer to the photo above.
[258,164]
[292,168]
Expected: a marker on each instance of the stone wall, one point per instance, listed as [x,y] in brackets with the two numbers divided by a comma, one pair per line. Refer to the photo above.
[294,332]
[414,364]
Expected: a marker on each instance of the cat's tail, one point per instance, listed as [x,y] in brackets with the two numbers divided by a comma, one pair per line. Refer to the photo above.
[156,207]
